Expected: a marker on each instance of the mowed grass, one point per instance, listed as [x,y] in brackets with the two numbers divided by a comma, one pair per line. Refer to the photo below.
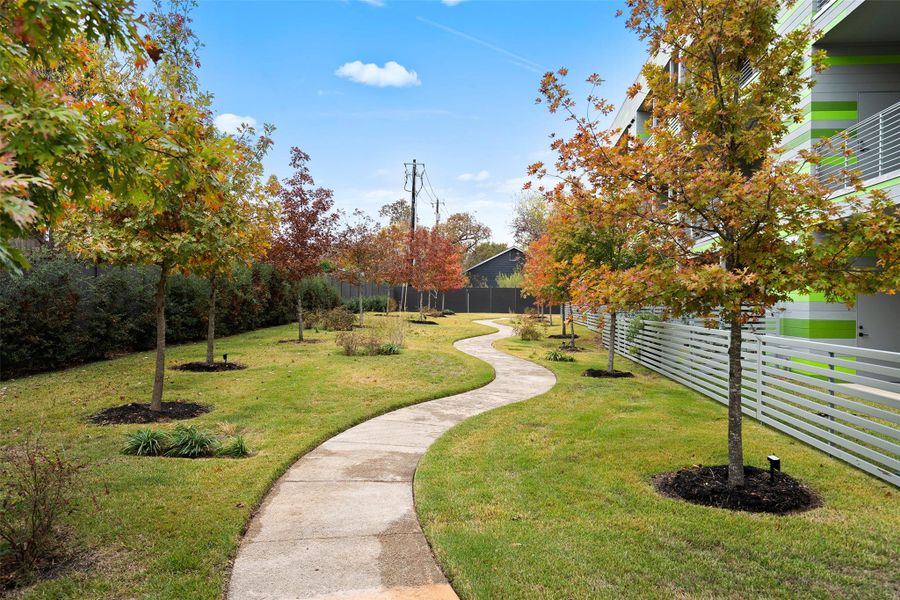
[168,528]
[551,498]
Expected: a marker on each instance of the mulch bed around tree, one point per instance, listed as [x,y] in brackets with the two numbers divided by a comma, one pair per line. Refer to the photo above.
[708,486]
[605,373]
[421,322]
[204,367]
[308,341]
[140,413]
[570,348]
[559,336]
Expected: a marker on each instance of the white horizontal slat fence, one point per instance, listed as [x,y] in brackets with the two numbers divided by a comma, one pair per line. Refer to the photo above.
[842,400]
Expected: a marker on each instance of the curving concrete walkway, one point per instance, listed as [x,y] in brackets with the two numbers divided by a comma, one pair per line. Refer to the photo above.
[341,523]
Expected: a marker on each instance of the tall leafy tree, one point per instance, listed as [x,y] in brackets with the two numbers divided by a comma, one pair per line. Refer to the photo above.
[465,231]
[306,233]
[183,160]
[530,217]
[713,168]
[58,142]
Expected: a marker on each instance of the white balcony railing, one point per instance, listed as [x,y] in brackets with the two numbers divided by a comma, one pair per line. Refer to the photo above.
[869,149]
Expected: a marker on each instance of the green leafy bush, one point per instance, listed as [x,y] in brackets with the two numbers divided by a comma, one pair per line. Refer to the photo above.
[186,441]
[318,294]
[558,356]
[447,312]
[65,311]
[370,304]
[146,442]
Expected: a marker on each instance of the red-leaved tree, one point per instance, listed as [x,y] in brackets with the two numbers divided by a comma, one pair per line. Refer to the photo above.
[306,231]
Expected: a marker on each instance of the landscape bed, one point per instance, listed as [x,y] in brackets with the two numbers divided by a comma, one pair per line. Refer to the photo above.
[554,498]
[167,528]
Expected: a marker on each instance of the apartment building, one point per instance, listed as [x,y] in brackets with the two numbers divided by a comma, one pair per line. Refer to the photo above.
[857,98]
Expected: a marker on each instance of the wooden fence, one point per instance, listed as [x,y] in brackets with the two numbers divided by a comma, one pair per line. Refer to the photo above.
[842,400]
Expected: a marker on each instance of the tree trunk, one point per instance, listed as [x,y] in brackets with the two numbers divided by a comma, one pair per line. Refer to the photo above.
[443,301]
[550,313]
[610,359]
[359,294]
[159,376]
[300,316]
[572,329]
[735,437]
[562,317]
[211,323]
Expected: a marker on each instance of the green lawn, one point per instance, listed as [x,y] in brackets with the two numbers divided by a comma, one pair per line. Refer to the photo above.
[167,528]
[551,498]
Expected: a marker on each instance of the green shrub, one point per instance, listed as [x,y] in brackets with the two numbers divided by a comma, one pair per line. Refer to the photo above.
[389,348]
[146,442]
[557,356]
[319,294]
[236,448]
[528,329]
[64,311]
[447,312]
[370,304]
[186,441]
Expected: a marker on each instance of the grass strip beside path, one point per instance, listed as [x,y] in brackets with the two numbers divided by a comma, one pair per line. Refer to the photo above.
[167,528]
[551,498]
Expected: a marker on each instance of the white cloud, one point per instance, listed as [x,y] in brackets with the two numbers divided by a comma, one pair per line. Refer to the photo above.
[451,2]
[374,2]
[513,185]
[479,176]
[229,122]
[392,74]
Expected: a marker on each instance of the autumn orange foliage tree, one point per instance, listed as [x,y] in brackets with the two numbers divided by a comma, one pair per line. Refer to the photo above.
[435,263]
[712,167]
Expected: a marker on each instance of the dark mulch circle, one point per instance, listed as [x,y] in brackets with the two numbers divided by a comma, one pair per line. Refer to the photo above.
[204,367]
[421,322]
[306,341]
[559,336]
[140,413]
[570,348]
[708,486]
[605,373]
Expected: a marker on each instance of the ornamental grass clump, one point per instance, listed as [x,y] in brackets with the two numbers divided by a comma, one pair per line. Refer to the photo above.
[186,441]
[558,356]
[528,329]
[146,442]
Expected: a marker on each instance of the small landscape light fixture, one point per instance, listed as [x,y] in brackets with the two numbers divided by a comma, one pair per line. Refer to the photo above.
[774,465]
[225,358]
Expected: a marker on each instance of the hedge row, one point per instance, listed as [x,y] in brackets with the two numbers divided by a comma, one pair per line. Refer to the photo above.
[63,311]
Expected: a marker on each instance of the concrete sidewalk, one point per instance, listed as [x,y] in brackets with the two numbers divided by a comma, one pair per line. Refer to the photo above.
[341,523]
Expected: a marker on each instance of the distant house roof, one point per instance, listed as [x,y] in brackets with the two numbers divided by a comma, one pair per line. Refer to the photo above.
[487,260]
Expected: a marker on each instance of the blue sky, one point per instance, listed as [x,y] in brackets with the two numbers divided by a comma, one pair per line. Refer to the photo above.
[460,97]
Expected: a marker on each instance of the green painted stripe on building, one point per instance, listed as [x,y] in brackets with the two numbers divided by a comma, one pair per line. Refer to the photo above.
[884,184]
[842,329]
[822,365]
[813,297]
[643,135]
[859,59]
[832,161]
[834,105]
[835,115]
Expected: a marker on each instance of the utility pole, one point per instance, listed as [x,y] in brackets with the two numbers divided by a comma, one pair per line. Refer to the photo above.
[412,203]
